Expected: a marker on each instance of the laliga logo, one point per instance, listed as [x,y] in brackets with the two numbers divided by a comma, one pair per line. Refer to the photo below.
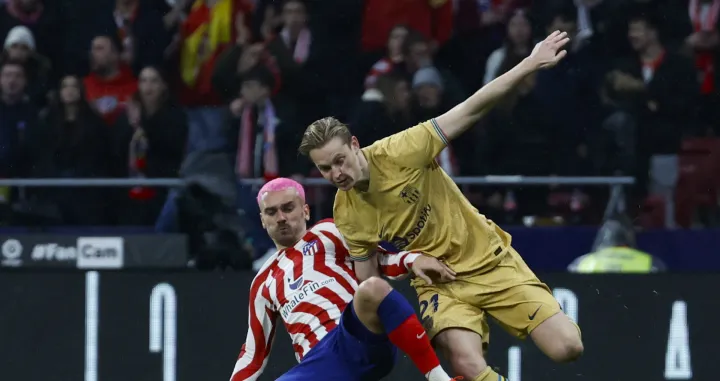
[11,252]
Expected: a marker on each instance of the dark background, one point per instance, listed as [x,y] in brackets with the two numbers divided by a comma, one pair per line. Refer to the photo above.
[625,322]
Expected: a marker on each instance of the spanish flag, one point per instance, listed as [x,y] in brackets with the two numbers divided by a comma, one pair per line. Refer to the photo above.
[205,34]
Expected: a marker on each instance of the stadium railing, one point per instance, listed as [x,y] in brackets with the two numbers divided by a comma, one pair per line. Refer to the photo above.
[616,202]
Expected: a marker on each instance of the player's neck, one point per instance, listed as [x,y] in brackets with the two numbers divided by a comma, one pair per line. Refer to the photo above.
[363,184]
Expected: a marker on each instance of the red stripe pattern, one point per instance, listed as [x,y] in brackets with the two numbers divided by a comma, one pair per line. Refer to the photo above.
[308,286]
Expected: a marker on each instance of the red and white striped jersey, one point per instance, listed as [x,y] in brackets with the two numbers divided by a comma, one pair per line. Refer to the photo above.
[308,286]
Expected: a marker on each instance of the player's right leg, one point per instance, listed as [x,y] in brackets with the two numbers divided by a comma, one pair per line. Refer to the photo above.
[464,349]
[382,310]
[458,329]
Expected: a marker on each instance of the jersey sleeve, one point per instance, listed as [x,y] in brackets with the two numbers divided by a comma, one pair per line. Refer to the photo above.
[396,266]
[415,147]
[360,247]
[258,342]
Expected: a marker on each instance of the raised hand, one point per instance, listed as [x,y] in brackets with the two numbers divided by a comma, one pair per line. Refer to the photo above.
[548,52]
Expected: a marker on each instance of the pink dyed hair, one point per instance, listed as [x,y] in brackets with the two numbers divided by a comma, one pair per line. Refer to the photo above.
[280,184]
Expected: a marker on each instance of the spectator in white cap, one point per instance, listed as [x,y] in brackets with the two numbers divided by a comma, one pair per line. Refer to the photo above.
[20,47]
[43,18]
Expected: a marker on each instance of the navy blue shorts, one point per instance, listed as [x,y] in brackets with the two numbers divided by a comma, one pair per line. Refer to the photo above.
[350,352]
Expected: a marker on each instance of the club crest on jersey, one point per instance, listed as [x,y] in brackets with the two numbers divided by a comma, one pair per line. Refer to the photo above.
[310,248]
[410,194]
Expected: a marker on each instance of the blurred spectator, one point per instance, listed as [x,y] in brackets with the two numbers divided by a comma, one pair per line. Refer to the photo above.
[518,45]
[210,27]
[479,29]
[702,39]
[80,148]
[20,47]
[384,109]
[653,94]
[520,138]
[429,101]
[237,60]
[567,93]
[142,32]
[418,54]
[614,251]
[42,18]
[262,143]
[20,139]
[394,58]
[151,139]
[110,83]
[432,18]
[18,123]
[260,135]
[297,56]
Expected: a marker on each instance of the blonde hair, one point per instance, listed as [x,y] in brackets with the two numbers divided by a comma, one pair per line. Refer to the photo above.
[321,131]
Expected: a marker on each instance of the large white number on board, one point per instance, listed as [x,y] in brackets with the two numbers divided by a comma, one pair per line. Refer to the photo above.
[514,363]
[163,327]
[92,301]
[568,301]
[677,356]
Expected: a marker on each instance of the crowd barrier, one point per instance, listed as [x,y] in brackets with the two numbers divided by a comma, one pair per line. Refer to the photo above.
[615,202]
[470,180]
[143,326]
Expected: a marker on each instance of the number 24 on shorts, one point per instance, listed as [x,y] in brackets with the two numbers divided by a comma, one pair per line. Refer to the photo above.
[424,305]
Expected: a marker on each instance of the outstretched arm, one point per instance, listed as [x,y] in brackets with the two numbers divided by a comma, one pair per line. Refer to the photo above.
[546,54]
[261,332]
[395,266]
[367,267]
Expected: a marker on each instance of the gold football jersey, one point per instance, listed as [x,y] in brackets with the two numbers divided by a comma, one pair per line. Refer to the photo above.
[413,204]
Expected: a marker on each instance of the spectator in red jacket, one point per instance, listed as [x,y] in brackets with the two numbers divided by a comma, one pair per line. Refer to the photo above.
[432,18]
[110,84]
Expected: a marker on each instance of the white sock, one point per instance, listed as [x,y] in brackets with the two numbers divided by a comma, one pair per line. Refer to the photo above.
[437,374]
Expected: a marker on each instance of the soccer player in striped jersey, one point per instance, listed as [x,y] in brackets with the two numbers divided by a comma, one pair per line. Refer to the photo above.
[341,329]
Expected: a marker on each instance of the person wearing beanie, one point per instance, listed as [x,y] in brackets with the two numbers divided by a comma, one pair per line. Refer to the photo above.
[428,76]
[20,47]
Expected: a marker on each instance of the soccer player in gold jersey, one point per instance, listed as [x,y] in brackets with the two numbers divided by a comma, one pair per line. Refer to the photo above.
[393,190]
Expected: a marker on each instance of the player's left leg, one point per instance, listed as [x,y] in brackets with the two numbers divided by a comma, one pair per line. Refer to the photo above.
[525,306]
[381,309]
[559,338]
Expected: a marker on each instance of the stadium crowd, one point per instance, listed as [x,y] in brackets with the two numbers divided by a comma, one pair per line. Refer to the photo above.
[128,88]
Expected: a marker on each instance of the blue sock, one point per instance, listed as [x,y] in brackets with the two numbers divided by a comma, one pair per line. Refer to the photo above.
[394,310]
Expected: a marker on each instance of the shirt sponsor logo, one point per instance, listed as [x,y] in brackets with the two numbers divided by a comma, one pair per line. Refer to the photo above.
[303,294]
[100,252]
[404,241]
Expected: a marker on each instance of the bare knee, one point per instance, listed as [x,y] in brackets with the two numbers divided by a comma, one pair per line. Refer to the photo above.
[568,349]
[464,350]
[559,338]
[367,300]
[371,293]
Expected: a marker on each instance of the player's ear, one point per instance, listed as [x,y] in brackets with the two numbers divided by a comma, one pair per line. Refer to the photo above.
[354,143]
[306,212]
